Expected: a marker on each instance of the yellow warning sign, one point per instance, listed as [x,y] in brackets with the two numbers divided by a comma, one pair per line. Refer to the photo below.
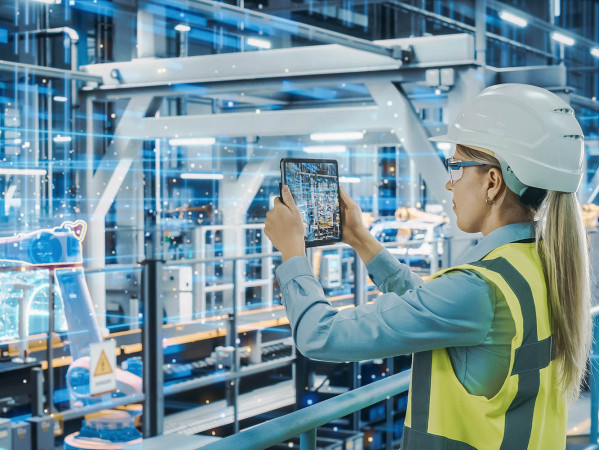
[103,367]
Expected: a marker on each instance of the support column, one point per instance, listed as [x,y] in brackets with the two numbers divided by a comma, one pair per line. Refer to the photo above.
[151,32]
[480,22]
[101,190]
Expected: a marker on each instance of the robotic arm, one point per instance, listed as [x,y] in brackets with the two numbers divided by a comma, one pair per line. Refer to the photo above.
[59,249]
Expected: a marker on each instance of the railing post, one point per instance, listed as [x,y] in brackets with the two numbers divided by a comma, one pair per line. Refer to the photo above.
[434,267]
[36,378]
[236,288]
[266,273]
[359,281]
[152,351]
[389,410]
[199,276]
[50,343]
[308,440]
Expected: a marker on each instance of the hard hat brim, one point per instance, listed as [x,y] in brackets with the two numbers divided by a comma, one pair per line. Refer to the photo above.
[446,138]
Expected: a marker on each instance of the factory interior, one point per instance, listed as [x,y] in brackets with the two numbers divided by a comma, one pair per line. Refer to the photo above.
[140,147]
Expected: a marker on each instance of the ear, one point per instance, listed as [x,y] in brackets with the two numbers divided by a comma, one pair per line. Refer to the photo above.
[495,183]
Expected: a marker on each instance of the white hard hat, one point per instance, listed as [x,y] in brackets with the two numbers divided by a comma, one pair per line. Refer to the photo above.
[530,130]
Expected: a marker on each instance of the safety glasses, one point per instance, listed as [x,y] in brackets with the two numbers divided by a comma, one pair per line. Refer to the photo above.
[456,170]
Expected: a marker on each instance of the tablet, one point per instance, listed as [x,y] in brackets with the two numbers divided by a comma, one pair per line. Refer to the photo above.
[314,184]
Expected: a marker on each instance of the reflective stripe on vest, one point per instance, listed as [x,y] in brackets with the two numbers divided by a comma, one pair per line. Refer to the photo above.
[529,359]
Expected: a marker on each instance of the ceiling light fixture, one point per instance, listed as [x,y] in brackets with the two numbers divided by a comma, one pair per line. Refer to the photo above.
[202,176]
[260,43]
[192,141]
[325,149]
[562,38]
[341,136]
[512,18]
[6,171]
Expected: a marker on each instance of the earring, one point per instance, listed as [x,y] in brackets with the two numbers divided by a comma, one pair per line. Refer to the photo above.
[487,201]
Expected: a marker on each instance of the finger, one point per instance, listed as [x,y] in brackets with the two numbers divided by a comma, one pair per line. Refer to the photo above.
[288,198]
[277,201]
[345,198]
[342,195]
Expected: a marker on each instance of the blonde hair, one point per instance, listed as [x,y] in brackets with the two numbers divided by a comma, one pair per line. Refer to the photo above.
[561,241]
[562,245]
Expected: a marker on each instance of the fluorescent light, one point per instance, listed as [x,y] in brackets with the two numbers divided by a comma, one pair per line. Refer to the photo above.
[59,98]
[5,171]
[48,2]
[260,43]
[60,138]
[325,149]
[562,38]
[512,18]
[595,51]
[347,136]
[443,145]
[192,141]
[182,28]
[202,176]
[349,180]
[16,141]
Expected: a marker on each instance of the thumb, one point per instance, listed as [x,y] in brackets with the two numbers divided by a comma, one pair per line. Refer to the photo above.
[346,200]
[288,199]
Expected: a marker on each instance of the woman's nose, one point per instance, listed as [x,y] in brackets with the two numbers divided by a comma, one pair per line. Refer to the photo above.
[448,185]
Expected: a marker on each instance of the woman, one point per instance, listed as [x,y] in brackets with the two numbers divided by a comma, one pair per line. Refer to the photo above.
[500,342]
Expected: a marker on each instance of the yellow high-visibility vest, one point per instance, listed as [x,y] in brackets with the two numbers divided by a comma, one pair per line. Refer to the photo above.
[529,411]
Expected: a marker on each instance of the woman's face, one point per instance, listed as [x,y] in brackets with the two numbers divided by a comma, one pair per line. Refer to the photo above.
[469,194]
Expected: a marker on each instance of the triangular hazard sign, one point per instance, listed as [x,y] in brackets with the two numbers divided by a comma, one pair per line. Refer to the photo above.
[103,367]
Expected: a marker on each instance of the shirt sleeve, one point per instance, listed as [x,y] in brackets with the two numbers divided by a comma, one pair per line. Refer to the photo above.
[390,275]
[455,309]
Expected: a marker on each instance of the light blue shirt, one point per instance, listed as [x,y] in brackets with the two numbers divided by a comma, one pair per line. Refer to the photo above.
[459,310]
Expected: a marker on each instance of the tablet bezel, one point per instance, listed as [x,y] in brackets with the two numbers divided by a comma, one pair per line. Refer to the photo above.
[283,162]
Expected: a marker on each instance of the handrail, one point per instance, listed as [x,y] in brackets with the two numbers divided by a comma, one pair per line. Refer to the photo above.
[305,421]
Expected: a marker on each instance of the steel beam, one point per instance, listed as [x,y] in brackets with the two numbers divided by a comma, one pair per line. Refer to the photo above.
[288,62]
[284,63]
[398,110]
[50,72]
[266,123]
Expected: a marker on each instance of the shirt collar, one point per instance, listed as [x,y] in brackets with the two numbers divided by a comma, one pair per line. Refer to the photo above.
[496,238]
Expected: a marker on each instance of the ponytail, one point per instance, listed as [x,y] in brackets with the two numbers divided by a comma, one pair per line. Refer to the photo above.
[561,242]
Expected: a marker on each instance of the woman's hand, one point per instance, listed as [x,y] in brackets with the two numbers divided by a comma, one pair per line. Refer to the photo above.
[284,227]
[353,226]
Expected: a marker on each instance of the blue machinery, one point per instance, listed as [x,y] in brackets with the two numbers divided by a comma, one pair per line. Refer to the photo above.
[58,251]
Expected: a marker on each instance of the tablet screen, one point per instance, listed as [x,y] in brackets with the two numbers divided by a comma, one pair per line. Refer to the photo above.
[315,187]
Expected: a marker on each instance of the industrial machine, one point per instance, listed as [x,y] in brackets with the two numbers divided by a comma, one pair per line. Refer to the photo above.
[57,253]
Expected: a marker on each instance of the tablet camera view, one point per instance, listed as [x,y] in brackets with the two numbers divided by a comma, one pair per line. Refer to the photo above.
[315,188]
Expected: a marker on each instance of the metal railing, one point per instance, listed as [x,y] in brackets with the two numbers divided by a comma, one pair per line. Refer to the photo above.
[305,421]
